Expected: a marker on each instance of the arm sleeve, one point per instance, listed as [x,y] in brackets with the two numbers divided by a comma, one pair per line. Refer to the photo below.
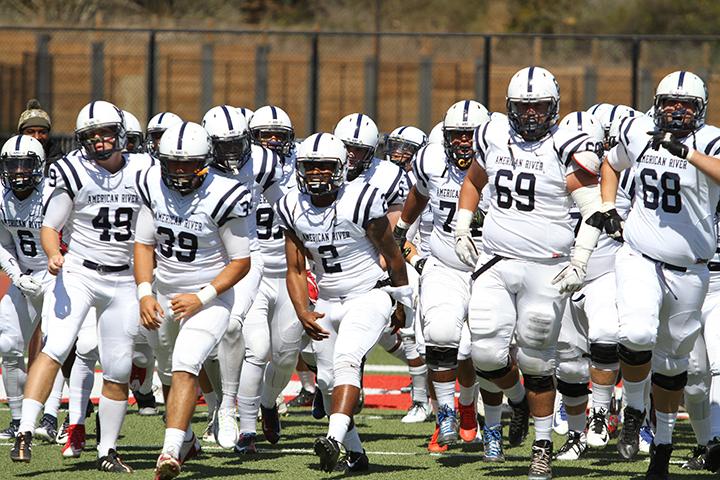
[145,227]
[422,179]
[58,209]
[619,157]
[8,263]
[234,236]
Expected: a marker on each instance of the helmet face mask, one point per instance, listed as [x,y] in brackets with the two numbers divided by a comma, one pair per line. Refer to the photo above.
[677,113]
[183,174]
[359,158]
[459,147]
[134,142]
[318,177]
[532,119]
[231,154]
[401,151]
[21,173]
[100,142]
[277,138]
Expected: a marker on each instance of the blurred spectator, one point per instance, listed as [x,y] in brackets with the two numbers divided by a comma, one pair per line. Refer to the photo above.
[35,121]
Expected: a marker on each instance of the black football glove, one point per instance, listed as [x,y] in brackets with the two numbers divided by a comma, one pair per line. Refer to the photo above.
[668,141]
[614,225]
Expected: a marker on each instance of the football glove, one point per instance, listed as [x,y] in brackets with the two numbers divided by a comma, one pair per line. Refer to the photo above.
[27,285]
[571,278]
[668,141]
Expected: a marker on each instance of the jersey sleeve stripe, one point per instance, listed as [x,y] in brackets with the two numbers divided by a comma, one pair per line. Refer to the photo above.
[562,148]
[66,180]
[222,201]
[284,212]
[627,129]
[244,196]
[143,194]
[392,193]
[356,215]
[421,168]
[260,179]
[271,174]
[366,215]
[76,177]
[710,145]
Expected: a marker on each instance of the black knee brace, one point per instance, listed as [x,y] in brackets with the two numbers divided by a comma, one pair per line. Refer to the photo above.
[441,357]
[673,383]
[493,374]
[571,389]
[604,353]
[539,383]
[633,358]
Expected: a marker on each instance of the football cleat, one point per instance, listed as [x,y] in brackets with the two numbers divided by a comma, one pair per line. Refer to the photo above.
[629,441]
[303,399]
[281,405]
[75,442]
[271,424]
[492,444]
[328,450]
[519,422]
[227,428]
[712,457]
[47,430]
[318,405]
[417,413]
[434,446]
[560,424]
[167,467]
[246,444]
[11,431]
[659,462]
[113,463]
[190,449]
[209,432]
[356,462]
[62,435]
[574,446]
[646,438]
[541,460]
[468,422]
[597,431]
[146,403]
[447,421]
[696,458]
[22,449]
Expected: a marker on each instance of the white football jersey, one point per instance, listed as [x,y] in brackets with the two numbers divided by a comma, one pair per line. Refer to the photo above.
[101,227]
[269,231]
[529,205]
[439,180]
[188,247]
[344,260]
[391,180]
[23,219]
[673,214]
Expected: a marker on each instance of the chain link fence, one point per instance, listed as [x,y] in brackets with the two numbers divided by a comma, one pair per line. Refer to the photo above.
[318,77]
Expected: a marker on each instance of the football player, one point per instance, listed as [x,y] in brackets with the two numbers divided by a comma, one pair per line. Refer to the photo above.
[344,229]
[670,235]
[194,223]
[534,171]
[94,196]
[155,128]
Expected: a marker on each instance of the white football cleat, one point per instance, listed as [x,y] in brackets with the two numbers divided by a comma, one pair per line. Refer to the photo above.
[418,412]
[597,432]
[227,428]
[560,424]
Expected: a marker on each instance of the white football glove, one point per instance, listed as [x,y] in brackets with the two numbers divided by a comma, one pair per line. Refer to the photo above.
[571,278]
[464,244]
[28,285]
[403,294]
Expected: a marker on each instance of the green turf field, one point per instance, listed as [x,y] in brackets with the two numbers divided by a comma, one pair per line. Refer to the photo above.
[396,451]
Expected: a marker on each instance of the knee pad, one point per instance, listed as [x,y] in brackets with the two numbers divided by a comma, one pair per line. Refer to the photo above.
[143,355]
[604,355]
[537,362]
[576,371]
[441,358]
[572,389]
[697,388]
[347,373]
[668,382]
[632,357]
[493,374]
[539,383]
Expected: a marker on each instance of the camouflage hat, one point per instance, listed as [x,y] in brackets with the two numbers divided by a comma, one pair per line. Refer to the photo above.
[33,116]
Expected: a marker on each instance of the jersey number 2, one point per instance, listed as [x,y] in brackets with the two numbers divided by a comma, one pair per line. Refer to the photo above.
[329,252]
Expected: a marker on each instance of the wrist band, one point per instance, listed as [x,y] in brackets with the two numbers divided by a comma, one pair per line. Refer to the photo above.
[144,289]
[402,224]
[207,294]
